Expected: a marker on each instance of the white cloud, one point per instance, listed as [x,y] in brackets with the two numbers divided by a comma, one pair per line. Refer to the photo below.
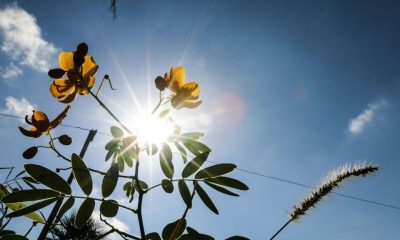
[21,39]
[358,123]
[19,107]
[10,72]
[115,222]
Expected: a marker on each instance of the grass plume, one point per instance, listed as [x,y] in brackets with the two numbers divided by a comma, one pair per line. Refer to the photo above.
[329,183]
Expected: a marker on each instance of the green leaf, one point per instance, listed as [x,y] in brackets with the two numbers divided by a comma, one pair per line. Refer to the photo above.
[110,180]
[153,236]
[195,147]
[84,212]
[237,238]
[65,207]
[116,132]
[173,230]
[228,182]
[82,174]
[195,164]
[29,195]
[14,237]
[110,153]
[113,143]
[48,178]
[127,158]
[109,208]
[167,185]
[163,113]
[215,171]
[31,208]
[29,179]
[166,161]
[221,189]
[29,184]
[206,199]
[17,206]
[121,162]
[182,151]
[185,193]
[151,149]
[191,135]
[142,185]
[6,232]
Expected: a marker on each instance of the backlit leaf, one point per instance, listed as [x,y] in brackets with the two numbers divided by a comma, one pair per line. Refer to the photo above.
[182,151]
[167,185]
[82,174]
[215,171]
[116,132]
[14,237]
[166,161]
[221,189]
[84,212]
[206,199]
[153,236]
[31,208]
[173,230]
[194,165]
[185,193]
[191,135]
[109,208]
[195,147]
[48,178]
[29,195]
[228,182]
[110,180]
[64,208]
[237,238]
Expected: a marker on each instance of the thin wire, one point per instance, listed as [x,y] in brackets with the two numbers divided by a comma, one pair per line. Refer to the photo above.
[308,186]
[64,125]
[248,171]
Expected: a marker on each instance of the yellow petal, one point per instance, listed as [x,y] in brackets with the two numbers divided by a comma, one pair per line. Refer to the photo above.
[175,79]
[32,133]
[185,104]
[40,121]
[192,89]
[66,60]
[89,68]
[61,88]
[59,118]
[69,98]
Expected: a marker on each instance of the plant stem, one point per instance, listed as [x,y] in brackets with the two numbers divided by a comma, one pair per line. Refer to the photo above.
[185,212]
[140,200]
[280,229]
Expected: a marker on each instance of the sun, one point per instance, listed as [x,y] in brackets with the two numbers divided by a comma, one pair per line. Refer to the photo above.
[153,130]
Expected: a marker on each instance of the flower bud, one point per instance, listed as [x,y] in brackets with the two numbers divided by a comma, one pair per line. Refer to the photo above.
[65,139]
[30,152]
[161,84]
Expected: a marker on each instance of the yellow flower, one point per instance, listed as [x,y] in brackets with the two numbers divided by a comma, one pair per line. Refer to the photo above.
[41,124]
[80,79]
[185,94]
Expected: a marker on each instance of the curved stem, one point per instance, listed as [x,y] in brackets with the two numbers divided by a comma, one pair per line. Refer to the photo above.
[280,229]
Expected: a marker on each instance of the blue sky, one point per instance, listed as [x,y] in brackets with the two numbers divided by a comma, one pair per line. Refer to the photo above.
[290,89]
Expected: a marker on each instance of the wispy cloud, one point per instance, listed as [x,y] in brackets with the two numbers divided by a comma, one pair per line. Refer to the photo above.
[357,124]
[22,41]
[115,222]
[9,73]
[19,107]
